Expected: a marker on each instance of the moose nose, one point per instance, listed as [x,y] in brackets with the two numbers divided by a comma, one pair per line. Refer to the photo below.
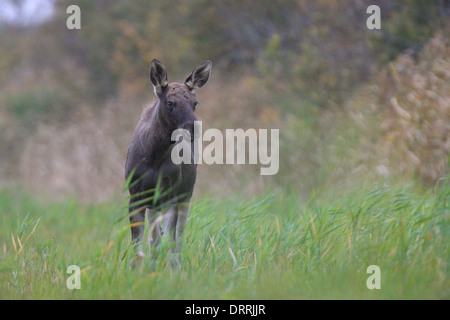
[190,128]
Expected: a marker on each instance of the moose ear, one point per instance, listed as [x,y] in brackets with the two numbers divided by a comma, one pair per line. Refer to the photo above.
[158,76]
[199,76]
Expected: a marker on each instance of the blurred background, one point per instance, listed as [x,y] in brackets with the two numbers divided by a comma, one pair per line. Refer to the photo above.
[353,105]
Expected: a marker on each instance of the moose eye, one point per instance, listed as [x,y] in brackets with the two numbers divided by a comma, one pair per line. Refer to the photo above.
[171,104]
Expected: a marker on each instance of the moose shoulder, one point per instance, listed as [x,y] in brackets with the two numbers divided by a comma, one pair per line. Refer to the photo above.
[154,181]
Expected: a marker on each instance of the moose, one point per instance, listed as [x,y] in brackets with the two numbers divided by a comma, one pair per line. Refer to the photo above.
[155,183]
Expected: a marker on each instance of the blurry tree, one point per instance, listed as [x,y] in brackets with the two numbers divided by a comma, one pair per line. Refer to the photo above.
[92,45]
[326,59]
[409,25]
[284,63]
[416,113]
[324,48]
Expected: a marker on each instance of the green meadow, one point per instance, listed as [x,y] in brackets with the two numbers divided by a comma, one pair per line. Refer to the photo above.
[352,104]
[276,246]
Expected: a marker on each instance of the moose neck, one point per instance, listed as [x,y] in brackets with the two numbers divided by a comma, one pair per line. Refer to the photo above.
[156,142]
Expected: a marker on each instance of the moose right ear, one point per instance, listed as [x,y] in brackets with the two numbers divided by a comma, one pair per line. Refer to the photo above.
[158,76]
[199,76]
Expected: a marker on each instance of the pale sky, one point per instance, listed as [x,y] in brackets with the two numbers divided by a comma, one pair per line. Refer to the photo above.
[26,13]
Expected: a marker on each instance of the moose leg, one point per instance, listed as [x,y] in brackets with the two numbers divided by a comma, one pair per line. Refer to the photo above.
[169,229]
[183,212]
[170,223]
[154,228]
[174,223]
[137,221]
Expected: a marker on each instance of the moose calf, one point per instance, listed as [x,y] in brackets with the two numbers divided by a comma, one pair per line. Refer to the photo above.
[155,183]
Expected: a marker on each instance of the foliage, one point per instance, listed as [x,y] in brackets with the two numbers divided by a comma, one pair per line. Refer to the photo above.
[352,105]
[407,107]
[409,26]
[70,98]
[271,247]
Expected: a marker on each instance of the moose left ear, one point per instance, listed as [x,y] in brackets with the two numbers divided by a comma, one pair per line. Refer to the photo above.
[158,76]
[199,76]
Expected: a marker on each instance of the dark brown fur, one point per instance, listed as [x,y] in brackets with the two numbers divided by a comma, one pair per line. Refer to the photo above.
[156,182]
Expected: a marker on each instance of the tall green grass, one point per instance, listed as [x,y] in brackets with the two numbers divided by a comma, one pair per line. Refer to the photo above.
[271,247]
